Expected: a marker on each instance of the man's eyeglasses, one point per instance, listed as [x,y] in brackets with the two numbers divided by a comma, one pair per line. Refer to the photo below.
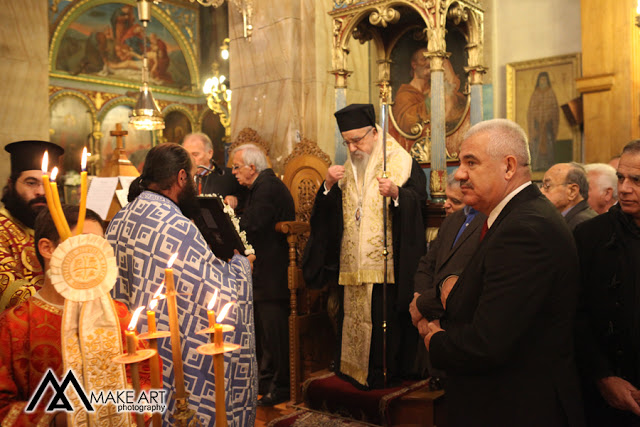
[546,186]
[356,141]
[236,167]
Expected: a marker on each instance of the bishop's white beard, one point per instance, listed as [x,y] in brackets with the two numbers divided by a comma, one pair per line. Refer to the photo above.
[360,160]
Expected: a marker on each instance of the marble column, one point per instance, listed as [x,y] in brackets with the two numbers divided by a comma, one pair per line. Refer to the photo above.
[280,80]
[476,103]
[438,175]
[24,59]
[340,149]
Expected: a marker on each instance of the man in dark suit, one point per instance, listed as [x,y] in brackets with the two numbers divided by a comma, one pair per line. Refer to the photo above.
[448,254]
[268,203]
[607,327]
[567,187]
[506,338]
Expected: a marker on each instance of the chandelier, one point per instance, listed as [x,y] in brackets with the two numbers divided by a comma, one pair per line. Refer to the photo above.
[146,115]
[218,94]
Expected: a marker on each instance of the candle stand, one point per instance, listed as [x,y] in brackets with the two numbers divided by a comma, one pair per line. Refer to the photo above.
[133,358]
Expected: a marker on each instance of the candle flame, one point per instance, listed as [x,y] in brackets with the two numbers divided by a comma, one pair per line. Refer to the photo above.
[153,304]
[213,300]
[54,174]
[45,162]
[223,312]
[172,260]
[158,293]
[134,318]
[84,159]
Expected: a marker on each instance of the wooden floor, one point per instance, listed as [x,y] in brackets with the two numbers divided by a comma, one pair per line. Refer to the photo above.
[265,414]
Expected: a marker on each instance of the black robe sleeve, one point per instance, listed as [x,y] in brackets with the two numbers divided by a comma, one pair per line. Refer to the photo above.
[321,260]
[409,240]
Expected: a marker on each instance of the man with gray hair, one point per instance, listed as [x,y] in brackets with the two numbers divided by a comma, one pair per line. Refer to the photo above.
[211,178]
[505,339]
[567,187]
[603,186]
[268,203]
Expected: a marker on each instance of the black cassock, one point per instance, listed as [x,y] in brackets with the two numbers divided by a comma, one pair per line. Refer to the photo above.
[321,265]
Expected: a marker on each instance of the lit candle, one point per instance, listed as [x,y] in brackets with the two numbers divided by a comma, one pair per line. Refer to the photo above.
[218,368]
[47,193]
[66,233]
[174,328]
[130,332]
[210,313]
[131,350]
[83,193]
[151,316]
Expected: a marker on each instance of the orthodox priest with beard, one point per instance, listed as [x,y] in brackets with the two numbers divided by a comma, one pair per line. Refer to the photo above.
[145,234]
[348,214]
[23,197]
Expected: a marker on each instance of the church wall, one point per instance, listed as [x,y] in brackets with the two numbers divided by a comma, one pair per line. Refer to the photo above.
[523,30]
[281,83]
[24,110]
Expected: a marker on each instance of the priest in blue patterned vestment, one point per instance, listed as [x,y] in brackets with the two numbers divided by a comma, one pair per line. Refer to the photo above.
[144,235]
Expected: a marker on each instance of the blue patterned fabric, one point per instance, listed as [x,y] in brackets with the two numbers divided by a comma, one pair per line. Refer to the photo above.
[144,235]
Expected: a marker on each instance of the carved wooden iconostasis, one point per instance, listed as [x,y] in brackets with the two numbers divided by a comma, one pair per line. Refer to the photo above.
[429,56]
[95,52]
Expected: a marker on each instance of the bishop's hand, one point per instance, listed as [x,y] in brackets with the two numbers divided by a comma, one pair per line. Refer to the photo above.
[334,174]
[388,188]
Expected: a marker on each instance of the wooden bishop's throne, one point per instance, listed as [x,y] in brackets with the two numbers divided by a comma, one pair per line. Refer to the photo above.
[311,332]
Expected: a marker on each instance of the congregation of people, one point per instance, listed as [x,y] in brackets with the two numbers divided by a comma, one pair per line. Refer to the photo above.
[525,307]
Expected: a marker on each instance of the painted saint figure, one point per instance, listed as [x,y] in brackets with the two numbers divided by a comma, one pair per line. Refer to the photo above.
[412,104]
[543,118]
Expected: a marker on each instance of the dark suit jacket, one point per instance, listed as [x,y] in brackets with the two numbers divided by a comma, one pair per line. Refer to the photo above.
[507,347]
[579,213]
[221,181]
[444,259]
[268,203]
[607,334]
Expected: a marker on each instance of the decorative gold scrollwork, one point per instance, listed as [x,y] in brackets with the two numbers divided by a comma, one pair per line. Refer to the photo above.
[458,14]
[384,17]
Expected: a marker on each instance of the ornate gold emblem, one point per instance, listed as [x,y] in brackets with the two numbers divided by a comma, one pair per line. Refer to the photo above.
[83,268]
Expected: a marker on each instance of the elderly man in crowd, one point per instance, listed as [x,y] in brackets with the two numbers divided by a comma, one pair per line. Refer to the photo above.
[268,203]
[23,198]
[603,186]
[506,338]
[567,187]
[608,333]
[453,193]
[211,178]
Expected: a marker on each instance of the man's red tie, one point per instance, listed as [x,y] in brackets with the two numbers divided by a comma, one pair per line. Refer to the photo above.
[485,227]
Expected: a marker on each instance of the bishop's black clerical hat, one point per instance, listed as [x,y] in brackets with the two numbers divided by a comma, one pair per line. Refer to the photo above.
[27,155]
[355,116]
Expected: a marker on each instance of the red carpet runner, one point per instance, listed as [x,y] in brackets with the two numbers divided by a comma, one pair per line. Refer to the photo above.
[330,394]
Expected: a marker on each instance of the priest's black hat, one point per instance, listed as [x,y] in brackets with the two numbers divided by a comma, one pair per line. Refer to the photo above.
[27,155]
[355,116]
